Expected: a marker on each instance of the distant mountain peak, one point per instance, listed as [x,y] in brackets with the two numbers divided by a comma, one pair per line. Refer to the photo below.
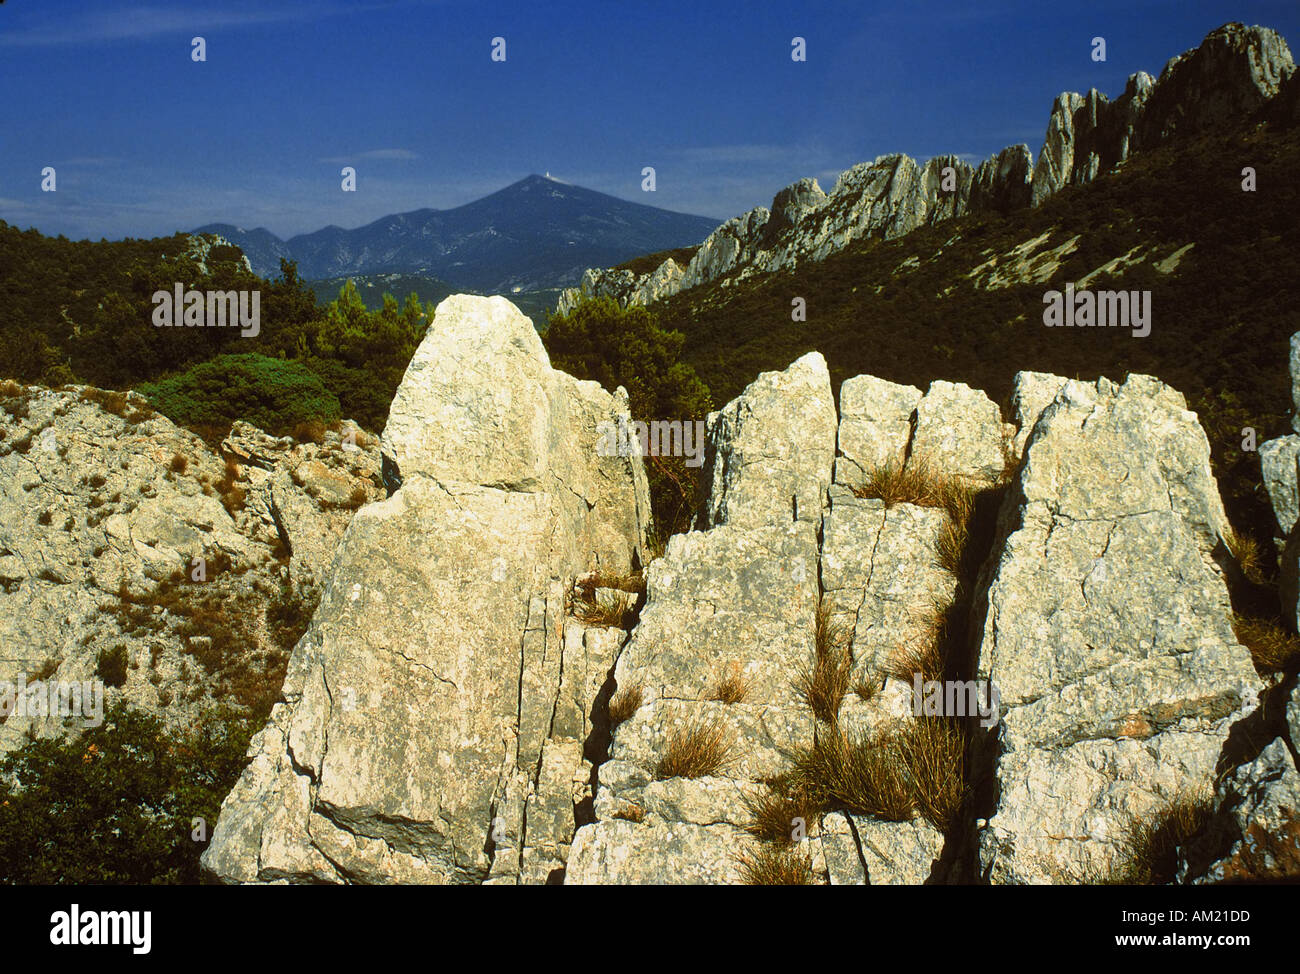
[537,233]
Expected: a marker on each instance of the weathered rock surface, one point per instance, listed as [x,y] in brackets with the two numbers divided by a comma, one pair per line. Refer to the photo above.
[437,710]
[1236,71]
[769,452]
[959,433]
[737,599]
[107,505]
[875,426]
[860,851]
[1108,631]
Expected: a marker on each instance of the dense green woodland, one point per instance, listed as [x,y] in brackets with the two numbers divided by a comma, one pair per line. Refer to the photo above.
[81,312]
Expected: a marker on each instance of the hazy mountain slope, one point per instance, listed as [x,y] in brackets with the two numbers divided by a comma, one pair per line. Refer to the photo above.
[536,233]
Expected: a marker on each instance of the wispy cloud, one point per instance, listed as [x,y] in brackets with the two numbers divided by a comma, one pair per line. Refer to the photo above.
[372,155]
[112,23]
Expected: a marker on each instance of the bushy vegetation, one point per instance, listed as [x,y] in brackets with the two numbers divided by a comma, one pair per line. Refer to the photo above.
[647,263]
[697,749]
[273,394]
[81,312]
[627,347]
[117,805]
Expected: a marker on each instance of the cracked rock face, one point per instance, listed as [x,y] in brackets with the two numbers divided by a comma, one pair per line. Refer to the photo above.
[437,710]
[738,599]
[769,452]
[1108,632]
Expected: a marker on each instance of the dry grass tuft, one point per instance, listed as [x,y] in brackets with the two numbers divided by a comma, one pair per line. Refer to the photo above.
[867,687]
[696,750]
[863,775]
[777,811]
[893,776]
[309,431]
[1272,648]
[923,651]
[233,495]
[619,611]
[953,539]
[625,703]
[1246,551]
[897,483]
[732,686]
[824,683]
[633,582]
[1151,847]
[768,866]
[933,752]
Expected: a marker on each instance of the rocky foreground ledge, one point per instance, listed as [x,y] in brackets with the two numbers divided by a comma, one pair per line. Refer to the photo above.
[472,704]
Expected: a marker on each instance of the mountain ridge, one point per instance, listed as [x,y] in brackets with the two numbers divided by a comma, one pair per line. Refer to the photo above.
[538,232]
[1235,72]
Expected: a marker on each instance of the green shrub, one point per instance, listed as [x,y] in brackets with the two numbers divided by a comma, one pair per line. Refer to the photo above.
[627,347]
[112,666]
[273,394]
[117,804]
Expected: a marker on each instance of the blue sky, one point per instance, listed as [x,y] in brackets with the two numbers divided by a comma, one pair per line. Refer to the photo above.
[146,142]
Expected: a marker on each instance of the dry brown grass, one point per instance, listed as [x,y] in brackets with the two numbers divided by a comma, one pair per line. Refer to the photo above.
[1150,848]
[633,582]
[923,651]
[867,686]
[179,463]
[618,611]
[9,389]
[918,768]
[770,866]
[626,702]
[933,752]
[951,543]
[732,686]
[1272,648]
[699,748]
[897,483]
[824,683]
[776,812]
[233,495]
[862,774]
[357,498]
[308,431]
[1247,553]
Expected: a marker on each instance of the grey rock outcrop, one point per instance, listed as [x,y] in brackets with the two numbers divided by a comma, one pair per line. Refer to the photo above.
[106,507]
[1107,632]
[875,426]
[446,718]
[436,712]
[737,598]
[1235,72]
